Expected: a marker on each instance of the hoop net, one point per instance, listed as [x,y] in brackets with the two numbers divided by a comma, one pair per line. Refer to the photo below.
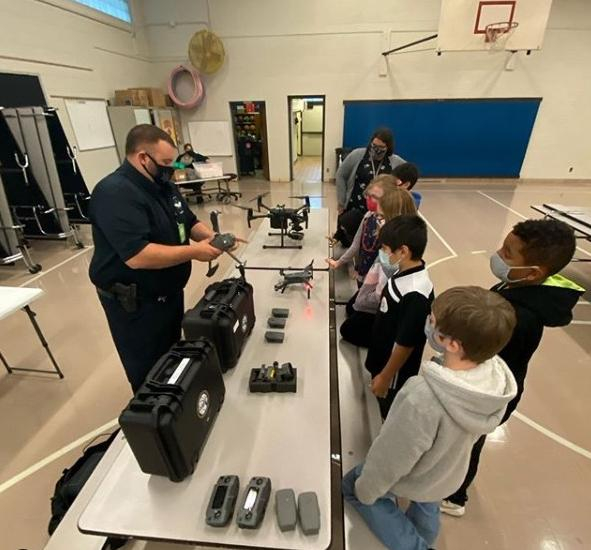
[496,34]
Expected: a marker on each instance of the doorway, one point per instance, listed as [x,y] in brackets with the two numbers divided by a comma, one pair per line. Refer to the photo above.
[306,137]
[249,124]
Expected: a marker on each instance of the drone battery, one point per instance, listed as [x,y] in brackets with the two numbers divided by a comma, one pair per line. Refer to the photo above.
[169,419]
[309,513]
[274,337]
[286,510]
[276,322]
[226,316]
[279,312]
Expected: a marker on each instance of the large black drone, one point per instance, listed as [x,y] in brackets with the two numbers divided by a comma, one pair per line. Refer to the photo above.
[293,277]
[289,221]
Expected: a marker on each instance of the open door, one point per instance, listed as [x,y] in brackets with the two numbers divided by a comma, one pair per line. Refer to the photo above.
[306,138]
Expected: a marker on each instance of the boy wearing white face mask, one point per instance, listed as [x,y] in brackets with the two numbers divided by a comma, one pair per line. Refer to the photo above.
[527,264]
[398,337]
[423,448]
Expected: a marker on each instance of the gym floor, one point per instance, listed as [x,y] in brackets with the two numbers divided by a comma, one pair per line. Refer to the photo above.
[532,488]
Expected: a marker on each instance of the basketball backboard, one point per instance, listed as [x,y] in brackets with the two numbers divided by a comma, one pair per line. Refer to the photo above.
[469,25]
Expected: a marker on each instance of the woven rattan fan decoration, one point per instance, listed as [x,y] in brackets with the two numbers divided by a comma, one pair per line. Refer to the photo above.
[206,52]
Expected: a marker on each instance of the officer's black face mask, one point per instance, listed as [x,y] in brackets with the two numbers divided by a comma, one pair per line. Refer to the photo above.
[163,173]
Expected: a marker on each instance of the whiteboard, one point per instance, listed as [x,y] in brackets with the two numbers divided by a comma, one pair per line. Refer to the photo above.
[90,123]
[211,138]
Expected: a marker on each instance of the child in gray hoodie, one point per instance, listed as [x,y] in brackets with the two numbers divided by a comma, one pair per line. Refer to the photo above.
[423,448]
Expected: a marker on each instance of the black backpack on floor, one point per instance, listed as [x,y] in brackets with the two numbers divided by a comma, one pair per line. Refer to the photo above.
[73,479]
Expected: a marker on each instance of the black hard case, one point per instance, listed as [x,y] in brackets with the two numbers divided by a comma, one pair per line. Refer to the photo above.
[167,424]
[225,315]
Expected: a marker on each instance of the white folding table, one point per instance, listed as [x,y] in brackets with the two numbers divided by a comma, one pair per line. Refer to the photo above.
[292,438]
[14,298]
[576,217]
[315,245]
[223,194]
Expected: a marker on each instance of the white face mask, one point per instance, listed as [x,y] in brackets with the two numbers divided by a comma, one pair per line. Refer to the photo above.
[389,268]
[501,269]
[431,332]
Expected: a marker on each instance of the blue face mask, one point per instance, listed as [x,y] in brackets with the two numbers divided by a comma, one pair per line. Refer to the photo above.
[389,268]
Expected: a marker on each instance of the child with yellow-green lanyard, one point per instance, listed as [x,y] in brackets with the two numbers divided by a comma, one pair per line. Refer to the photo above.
[527,264]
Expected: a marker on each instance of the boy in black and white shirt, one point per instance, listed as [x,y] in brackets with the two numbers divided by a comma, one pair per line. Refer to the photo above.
[398,338]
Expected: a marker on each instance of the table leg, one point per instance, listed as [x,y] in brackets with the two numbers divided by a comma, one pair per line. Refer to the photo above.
[56,368]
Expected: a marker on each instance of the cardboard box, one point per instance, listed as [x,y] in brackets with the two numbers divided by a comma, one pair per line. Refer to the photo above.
[135,97]
[156,97]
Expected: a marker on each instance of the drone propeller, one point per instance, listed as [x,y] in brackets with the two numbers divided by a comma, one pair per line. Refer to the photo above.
[247,208]
[261,196]
[303,197]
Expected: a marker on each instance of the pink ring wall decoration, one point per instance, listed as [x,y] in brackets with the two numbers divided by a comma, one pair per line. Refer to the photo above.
[198,92]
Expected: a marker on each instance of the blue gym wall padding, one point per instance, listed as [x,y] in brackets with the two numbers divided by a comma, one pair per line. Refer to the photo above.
[449,137]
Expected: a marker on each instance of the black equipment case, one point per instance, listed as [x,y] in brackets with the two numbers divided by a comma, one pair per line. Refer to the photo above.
[225,315]
[169,419]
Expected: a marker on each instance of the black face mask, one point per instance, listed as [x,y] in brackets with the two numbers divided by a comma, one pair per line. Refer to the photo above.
[377,152]
[163,173]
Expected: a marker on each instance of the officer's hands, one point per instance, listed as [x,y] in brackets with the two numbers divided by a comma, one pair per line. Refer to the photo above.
[204,252]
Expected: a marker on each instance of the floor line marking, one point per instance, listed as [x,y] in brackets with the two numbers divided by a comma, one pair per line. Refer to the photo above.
[440,261]
[522,216]
[438,235]
[37,277]
[580,322]
[550,434]
[57,454]
[478,252]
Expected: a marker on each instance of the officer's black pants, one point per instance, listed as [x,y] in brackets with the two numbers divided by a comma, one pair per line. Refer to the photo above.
[143,336]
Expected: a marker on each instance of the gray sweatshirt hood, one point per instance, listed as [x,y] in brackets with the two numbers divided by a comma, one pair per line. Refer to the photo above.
[474,399]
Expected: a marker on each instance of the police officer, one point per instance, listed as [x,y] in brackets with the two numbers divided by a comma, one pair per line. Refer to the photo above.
[145,237]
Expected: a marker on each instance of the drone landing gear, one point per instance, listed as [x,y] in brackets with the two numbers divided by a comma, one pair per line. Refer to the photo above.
[282,234]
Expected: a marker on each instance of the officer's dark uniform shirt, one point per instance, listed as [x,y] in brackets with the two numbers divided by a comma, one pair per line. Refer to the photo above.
[128,211]
[404,307]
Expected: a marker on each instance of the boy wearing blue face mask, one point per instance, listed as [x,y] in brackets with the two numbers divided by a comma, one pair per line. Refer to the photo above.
[527,265]
[398,338]
[423,447]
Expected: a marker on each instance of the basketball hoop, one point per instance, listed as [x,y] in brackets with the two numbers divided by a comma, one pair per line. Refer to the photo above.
[494,31]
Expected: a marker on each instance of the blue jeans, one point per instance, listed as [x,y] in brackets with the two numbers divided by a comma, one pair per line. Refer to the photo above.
[415,530]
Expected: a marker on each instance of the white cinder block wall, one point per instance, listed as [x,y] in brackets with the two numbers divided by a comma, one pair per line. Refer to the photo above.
[332,47]
[277,48]
[78,54]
